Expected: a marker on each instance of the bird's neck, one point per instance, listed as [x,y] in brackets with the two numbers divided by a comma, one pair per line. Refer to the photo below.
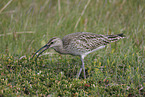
[60,50]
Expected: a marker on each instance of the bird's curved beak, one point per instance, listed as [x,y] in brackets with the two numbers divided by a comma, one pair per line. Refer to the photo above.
[44,48]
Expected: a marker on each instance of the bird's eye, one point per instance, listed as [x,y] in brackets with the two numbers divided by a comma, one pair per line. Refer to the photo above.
[52,42]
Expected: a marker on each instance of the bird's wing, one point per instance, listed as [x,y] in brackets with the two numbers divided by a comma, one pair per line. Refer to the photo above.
[84,40]
[91,41]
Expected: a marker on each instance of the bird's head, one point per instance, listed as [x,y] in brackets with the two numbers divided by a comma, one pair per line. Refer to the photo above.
[52,43]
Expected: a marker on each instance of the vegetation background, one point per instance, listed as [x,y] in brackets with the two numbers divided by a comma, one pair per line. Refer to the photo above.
[26,25]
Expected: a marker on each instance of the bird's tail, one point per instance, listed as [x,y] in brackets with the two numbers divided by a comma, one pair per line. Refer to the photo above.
[113,38]
[121,35]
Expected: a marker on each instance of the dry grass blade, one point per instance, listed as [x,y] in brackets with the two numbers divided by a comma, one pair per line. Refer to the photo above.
[82,13]
[17,33]
[44,6]
[5,6]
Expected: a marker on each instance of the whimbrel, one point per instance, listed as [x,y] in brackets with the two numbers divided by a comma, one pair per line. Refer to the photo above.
[80,44]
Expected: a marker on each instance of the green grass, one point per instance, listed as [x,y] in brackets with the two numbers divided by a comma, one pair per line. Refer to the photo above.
[117,70]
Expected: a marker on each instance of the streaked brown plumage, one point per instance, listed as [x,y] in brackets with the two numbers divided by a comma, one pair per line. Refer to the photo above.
[80,44]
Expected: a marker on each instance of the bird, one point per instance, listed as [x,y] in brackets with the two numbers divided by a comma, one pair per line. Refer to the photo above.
[79,44]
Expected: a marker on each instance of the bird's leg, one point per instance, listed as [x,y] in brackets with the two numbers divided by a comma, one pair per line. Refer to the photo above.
[79,72]
[82,59]
[82,67]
